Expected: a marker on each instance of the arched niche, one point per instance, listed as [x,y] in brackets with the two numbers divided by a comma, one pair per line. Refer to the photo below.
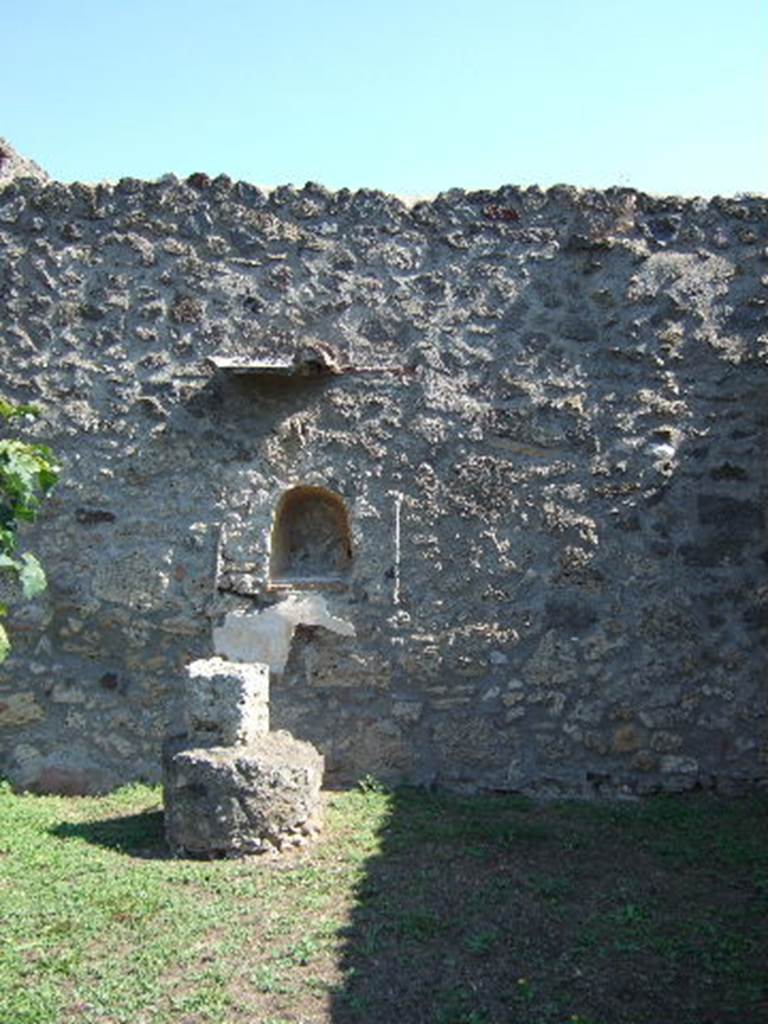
[310,543]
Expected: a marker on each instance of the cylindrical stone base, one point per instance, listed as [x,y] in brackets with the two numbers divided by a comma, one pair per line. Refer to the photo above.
[238,800]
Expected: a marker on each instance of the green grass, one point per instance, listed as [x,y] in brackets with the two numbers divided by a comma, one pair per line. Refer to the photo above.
[415,908]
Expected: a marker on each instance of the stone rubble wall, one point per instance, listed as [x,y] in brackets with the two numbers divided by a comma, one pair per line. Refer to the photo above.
[13,165]
[552,455]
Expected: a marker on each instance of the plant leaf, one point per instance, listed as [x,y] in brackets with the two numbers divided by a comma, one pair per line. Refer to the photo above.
[5,644]
[9,411]
[31,575]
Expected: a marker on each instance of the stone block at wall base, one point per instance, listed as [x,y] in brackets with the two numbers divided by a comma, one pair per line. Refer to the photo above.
[63,773]
[239,800]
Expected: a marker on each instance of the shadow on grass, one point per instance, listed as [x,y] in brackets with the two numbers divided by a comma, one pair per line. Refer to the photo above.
[136,835]
[437,935]
[497,910]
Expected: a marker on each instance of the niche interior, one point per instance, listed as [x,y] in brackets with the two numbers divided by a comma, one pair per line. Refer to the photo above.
[311,544]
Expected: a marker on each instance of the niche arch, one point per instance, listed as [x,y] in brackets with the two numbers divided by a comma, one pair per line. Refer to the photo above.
[310,545]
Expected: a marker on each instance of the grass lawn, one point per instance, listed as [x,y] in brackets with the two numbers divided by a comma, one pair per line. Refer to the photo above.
[414,907]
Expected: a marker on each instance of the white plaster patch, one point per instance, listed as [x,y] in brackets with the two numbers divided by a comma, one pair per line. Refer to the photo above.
[266,636]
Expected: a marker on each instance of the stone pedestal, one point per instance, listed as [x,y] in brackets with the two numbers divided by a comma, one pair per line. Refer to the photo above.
[242,799]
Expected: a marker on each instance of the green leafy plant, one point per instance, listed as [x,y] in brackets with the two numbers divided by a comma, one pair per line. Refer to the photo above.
[28,472]
[370,784]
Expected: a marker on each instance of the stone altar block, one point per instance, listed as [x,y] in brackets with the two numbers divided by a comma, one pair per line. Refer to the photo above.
[229,785]
[226,703]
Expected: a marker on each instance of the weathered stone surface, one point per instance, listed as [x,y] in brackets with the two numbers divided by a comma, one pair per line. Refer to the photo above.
[19,709]
[626,739]
[66,780]
[13,165]
[247,799]
[545,425]
[71,772]
[266,636]
[225,703]
[26,763]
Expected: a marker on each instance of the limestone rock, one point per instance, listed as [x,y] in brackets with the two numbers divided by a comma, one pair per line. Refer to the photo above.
[65,773]
[226,703]
[13,165]
[240,800]
[19,709]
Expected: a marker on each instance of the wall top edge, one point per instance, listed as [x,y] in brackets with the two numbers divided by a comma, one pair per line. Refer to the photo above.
[504,204]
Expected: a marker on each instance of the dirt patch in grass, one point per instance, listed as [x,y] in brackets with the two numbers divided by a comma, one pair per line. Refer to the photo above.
[414,907]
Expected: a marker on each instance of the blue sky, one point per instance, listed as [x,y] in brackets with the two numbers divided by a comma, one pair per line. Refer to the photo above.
[664,95]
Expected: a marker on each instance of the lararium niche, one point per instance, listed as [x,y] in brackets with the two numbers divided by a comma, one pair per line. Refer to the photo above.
[311,543]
